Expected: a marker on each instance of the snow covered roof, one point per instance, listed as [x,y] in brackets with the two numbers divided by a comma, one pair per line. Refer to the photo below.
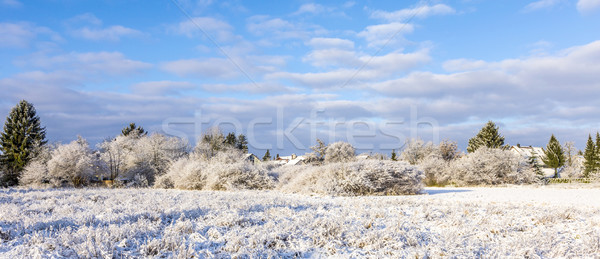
[296,160]
[528,151]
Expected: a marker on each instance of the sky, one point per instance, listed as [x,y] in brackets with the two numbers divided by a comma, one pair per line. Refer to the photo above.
[373,73]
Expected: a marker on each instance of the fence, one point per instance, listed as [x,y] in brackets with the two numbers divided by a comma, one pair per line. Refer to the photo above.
[567,180]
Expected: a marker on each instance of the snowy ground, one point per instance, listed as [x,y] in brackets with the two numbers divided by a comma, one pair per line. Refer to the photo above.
[446,222]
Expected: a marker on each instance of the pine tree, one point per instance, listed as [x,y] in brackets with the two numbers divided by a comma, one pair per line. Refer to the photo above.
[488,136]
[555,156]
[134,131]
[267,156]
[319,149]
[22,135]
[590,157]
[597,167]
[242,143]
[532,161]
[394,156]
[230,139]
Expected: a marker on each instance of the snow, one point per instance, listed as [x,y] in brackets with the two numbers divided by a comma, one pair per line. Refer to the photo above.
[462,222]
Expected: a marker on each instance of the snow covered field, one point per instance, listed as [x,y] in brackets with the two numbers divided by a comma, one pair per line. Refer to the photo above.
[463,222]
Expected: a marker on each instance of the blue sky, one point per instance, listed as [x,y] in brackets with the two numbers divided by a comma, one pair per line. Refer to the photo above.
[285,72]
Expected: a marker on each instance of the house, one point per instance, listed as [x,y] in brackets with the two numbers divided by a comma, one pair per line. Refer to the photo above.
[252,158]
[537,152]
[290,160]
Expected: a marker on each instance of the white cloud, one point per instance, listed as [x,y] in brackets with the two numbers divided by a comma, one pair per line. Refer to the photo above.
[541,4]
[20,35]
[112,33]
[422,11]
[161,88]
[111,63]
[385,34]
[279,29]
[588,6]
[463,64]
[197,26]
[212,68]
[326,43]
[93,29]
[310,8]
[374,68]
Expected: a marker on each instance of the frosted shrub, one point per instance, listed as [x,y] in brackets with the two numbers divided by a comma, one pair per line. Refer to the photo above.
[71,164]
[364,177]
[339,152]
[416,150]
[489,166]
[133,157]
[225,171]
[35,174]
[437,170]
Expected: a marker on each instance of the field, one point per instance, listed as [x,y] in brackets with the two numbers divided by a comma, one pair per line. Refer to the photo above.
[445,222]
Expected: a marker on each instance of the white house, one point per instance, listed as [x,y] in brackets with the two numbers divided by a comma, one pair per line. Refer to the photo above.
[537,152]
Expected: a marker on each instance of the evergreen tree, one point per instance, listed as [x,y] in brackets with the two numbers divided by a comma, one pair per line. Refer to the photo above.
[590,157]
[267,156]
[242,143]
[231,140]
[489,136]
[277,157]
[22,135]
[134,131]
[532,161]
[555,156]
[394,156]
[597,167]
[319,149]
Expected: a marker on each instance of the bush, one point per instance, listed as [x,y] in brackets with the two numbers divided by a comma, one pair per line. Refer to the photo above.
[491,166]
[225,171]
[438,171]
[140,159]
[339,152]
[71,164]
[35,174]
[363,177]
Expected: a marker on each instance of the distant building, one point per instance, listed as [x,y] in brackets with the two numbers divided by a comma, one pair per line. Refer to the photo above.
[252,158]
[537,152]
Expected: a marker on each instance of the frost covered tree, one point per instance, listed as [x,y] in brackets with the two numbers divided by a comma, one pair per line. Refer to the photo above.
[22,134]
[489,136]
[267,156]
[590,157]
[147,156]
[339,152]
[448,150]
[416,150]
[72,164]
[134,131]
[319,149]
[554,155]
[35,174]
[569,148]
[211,143]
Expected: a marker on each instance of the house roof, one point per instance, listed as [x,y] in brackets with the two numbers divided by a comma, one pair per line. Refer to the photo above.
[528,151]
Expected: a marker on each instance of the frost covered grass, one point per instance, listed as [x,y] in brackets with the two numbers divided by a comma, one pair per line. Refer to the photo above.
[465,222]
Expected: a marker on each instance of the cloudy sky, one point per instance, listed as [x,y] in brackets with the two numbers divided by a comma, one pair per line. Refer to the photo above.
[286,72]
